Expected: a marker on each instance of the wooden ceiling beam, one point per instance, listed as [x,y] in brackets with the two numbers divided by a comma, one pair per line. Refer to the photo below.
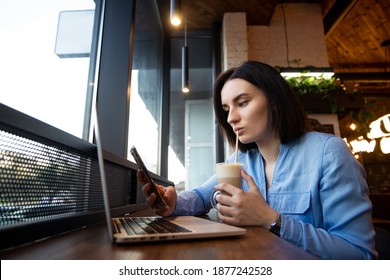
[335,14]
[380,77]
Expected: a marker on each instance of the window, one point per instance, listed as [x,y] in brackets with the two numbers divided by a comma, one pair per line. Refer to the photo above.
[34,79]
[146,85]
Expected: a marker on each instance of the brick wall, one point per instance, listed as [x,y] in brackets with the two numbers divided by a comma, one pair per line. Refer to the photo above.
[234,40]
[305,34]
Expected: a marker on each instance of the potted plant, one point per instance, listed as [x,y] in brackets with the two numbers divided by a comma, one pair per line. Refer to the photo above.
[321,95]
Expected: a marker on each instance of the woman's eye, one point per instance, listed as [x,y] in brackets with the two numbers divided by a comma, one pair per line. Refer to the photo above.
[242,103]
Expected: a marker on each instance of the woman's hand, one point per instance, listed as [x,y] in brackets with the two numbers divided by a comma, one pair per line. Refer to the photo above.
[168,194]
[244,208]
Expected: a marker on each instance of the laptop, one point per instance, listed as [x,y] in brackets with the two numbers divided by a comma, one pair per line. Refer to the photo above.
[145,229]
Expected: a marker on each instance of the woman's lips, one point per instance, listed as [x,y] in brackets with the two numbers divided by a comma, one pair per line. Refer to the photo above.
[239,131]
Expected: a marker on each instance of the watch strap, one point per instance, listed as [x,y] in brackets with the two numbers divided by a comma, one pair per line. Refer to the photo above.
[276,225]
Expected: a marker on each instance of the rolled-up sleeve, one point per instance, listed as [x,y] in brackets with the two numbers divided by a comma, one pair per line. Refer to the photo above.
[347,231]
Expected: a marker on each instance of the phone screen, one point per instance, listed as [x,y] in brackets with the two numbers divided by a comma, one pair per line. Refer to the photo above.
[159,202]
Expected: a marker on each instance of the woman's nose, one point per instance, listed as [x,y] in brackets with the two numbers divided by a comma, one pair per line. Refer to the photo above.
[232,117]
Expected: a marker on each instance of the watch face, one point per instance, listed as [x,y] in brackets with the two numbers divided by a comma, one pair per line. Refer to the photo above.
[275,230]
[275,227]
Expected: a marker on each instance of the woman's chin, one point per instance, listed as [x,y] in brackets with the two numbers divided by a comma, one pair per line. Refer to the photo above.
[245,141]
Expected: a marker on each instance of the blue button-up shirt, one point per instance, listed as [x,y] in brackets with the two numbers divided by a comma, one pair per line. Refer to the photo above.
[319,189]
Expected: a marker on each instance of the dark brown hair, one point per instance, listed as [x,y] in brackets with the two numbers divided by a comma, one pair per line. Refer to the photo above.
[286,114]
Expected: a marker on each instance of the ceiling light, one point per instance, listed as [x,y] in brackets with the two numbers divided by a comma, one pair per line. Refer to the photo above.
[290,72]
[185,74]
[185,79]
[175,12]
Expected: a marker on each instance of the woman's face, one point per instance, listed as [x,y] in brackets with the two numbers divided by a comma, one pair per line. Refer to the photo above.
[247,108]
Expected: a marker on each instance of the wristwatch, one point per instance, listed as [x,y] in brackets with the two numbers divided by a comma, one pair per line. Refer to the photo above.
[276,225]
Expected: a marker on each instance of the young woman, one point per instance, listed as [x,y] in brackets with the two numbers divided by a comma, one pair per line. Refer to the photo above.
[304,186]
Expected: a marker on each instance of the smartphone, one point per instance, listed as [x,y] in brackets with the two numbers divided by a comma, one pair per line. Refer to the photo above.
[159,203]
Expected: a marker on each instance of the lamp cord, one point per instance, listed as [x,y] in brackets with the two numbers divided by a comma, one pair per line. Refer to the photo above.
[285,35]
[185,23]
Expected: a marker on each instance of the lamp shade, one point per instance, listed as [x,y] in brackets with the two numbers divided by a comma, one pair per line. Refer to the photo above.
[175,12]
[185,77]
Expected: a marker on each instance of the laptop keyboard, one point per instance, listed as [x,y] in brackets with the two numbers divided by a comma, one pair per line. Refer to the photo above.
[149,225]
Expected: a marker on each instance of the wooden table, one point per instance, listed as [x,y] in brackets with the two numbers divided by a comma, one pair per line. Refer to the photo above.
[92,243]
